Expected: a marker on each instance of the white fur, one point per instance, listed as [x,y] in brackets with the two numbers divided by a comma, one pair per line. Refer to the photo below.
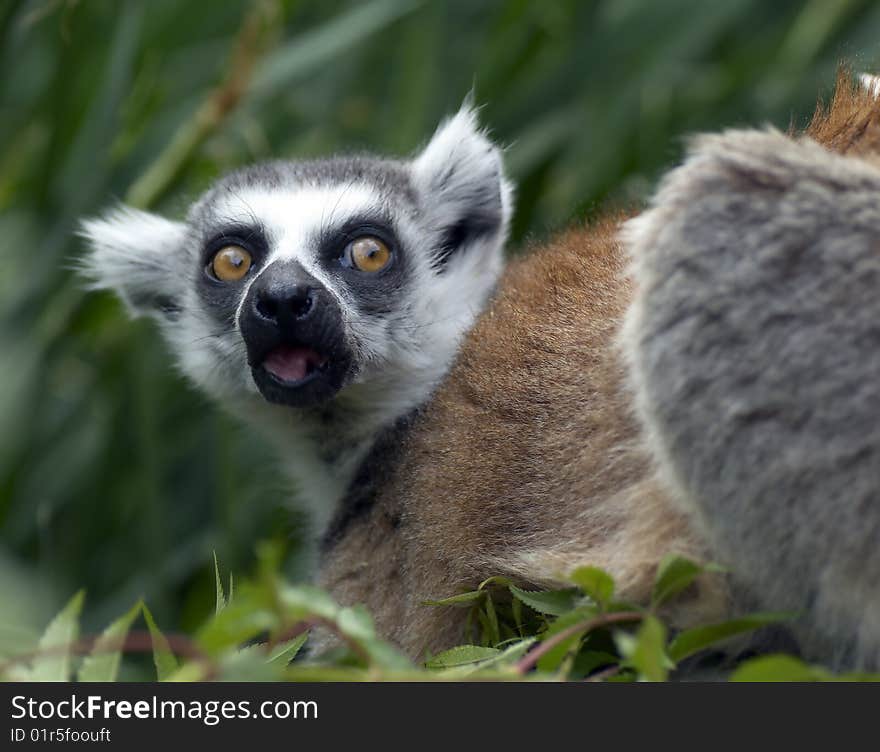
[870,83]
[463,153]
[134,253]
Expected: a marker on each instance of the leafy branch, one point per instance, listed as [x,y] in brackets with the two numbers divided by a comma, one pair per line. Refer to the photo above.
[575,633]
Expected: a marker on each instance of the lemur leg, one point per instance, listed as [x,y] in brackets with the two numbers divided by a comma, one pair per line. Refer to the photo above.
[754,346]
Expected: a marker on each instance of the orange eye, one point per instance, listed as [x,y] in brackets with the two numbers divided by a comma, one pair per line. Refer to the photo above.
[231,263]
[369,254]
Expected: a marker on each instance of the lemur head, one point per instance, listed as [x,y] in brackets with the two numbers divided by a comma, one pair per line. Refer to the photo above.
[350,279]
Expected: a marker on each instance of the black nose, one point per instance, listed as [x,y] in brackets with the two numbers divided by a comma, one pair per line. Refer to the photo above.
[285,303]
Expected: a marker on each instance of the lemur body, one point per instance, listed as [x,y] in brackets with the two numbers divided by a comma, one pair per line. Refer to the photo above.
[442,438]
[526,462]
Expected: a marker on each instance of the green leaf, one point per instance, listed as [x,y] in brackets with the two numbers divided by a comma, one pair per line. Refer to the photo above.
[194,671]
[220,602]
[492,619]
[509,654]
[550,602]
[778,668]
[517,613]
[645,651]
[301,601]
[501,661]
[102,664]
[589,661]
[237,623]
[462,599]
[248,665]
[285,652]
[461,655]
[385,656]
[594,582]
[356,622]
[674,574]
[56,645]
[552,659]
[495,581]
[469,624]
[485,628]
[694,640]
[163,658]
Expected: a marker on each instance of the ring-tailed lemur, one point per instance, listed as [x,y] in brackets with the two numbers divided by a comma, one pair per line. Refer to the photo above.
[337,304]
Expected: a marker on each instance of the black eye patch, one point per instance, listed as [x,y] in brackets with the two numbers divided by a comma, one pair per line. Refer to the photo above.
[375,293]
[252,239]
[222,298]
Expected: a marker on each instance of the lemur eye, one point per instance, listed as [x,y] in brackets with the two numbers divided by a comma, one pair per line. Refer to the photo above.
[231,263]
[369,254]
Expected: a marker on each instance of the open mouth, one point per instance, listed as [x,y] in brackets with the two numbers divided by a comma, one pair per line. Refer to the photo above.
[297,358]
[300,376]
[294,366]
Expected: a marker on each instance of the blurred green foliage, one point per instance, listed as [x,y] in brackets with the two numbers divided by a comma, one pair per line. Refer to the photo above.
[578,633]
[117,477]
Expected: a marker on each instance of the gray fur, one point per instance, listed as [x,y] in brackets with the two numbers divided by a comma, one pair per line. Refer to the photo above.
[755,350]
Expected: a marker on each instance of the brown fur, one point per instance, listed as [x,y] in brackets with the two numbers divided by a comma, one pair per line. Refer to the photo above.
[526,463]
[850,124]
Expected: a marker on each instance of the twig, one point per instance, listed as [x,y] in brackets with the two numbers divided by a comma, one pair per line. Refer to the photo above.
[604,674]
[136,641]
[528,662]
[249,45]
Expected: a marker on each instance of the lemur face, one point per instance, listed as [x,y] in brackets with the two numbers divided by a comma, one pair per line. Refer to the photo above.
[299,283]
[310,269]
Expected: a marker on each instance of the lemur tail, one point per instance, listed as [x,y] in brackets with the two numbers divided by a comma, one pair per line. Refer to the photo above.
[754,348]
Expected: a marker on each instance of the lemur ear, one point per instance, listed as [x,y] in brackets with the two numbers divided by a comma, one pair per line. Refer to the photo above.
[139,256]
[460,181]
